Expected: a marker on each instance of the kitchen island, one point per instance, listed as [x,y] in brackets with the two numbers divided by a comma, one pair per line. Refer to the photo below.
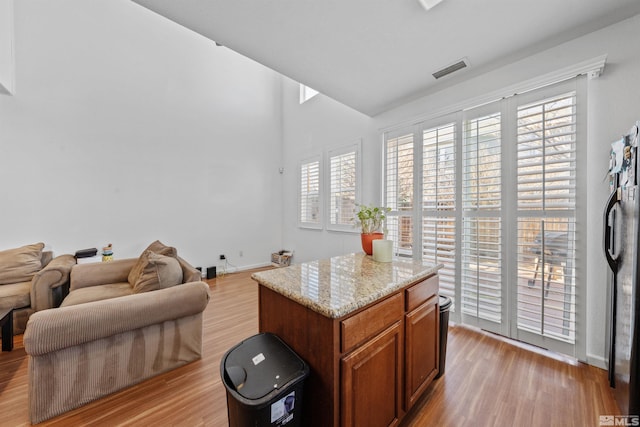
[368,330]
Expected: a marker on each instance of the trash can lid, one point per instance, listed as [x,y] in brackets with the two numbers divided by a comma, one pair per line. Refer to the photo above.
[445,303]
[261,364]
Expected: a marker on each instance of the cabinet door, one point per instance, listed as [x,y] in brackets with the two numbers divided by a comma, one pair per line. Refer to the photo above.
[371,378]
[422,347]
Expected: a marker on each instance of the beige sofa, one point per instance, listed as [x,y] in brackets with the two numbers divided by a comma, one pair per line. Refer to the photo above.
[107,335]
[32,280]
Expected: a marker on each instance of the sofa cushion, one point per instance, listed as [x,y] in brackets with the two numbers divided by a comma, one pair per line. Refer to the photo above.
[155,272]
[20,264]
[97,293]
[15,295]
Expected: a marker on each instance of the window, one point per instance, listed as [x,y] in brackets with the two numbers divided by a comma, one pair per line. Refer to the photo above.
[494,192]
[344,187]
[338,186]
[306,93]
[546,184]
[481,281]
[310,201]
[399,191]
[439,202]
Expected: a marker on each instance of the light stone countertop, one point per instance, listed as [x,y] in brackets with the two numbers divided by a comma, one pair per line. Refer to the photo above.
[337,286]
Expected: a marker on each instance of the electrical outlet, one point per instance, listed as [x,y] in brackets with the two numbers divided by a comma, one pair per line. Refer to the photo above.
[241,254]
[223,257]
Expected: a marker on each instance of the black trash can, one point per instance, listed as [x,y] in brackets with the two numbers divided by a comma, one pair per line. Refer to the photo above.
[445,305]
[264,379]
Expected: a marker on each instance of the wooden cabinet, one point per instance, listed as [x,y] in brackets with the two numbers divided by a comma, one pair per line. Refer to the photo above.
[422,338]
[368,367]
[371,379]
[371,375]
[421,350]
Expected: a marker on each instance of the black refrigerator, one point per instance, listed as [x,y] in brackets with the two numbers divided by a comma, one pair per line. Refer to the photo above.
[621,237]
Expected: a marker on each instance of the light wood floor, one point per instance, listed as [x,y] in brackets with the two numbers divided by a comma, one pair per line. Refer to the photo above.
[489,381]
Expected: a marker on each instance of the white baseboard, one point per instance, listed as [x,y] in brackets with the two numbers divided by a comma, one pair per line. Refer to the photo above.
[597,361]
[231,269]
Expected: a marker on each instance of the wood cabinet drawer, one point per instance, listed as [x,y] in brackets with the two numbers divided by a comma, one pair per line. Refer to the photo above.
[367,323]
[420,292]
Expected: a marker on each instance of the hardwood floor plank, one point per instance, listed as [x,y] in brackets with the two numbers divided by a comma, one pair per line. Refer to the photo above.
[489,381]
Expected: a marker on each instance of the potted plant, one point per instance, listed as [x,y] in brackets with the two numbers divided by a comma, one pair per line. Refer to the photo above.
[370,219]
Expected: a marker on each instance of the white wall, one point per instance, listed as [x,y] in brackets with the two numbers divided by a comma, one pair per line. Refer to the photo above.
[128,128]
[613,106]
[6,47]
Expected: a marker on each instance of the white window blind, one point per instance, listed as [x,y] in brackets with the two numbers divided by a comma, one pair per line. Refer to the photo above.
[399,191]
[481,282]
[344,177]
[482,180]
[439,203]
[546,154]
[546,180]
[309,196]
[438,165]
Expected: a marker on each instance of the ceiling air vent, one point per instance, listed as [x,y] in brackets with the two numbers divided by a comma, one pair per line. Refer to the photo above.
[463,63]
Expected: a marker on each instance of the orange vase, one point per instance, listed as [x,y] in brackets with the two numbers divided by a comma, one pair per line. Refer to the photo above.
[367,241]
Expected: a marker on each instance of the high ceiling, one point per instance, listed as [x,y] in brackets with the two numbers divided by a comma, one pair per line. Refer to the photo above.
[373,55]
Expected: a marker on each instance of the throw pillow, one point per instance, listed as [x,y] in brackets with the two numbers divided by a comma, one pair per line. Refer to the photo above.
[20,264]
[156,272]
[155,247]
[162,249]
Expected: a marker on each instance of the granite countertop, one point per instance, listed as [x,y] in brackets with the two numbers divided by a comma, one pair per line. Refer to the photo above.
[337,286]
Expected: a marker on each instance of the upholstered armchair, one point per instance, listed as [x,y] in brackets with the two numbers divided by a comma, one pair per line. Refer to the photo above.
[32,280]
[123,321]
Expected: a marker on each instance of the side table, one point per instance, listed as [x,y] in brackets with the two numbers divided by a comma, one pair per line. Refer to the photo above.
[6,322]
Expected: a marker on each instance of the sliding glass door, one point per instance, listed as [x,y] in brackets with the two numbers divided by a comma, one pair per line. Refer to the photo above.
[481,250]
[546,218]
[438,222]
[491,194]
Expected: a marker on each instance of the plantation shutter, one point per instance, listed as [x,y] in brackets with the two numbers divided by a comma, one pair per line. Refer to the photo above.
[481,270]
[399,185]
[309,196]
[546,200]
[491,193]
[343,187]
[439,203]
